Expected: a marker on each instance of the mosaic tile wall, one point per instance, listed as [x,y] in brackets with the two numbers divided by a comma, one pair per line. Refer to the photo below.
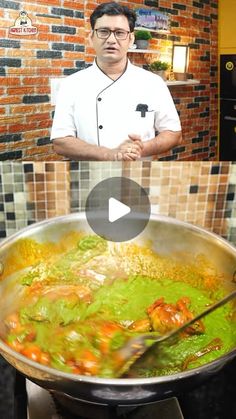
[202,193]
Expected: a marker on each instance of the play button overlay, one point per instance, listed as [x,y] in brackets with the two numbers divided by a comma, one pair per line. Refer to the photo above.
[118,209]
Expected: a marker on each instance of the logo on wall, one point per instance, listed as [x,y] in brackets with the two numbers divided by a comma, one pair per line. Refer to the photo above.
[229,66]
[23,25]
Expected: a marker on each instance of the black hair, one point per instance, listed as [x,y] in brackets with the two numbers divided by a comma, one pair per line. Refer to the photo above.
[112,9]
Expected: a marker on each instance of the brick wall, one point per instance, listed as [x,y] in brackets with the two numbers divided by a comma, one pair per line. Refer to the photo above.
[27,63]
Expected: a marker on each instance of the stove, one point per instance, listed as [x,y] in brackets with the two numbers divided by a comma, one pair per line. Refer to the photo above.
[49,405]
[214,399]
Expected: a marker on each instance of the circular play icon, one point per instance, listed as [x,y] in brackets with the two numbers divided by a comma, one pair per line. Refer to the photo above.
[118,209]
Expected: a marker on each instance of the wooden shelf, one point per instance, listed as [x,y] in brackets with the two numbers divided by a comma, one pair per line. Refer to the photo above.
[188,82]
[185,83]
[161,31]
[144,51]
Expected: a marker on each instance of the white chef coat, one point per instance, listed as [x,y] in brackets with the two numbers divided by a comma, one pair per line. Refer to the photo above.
[98,110]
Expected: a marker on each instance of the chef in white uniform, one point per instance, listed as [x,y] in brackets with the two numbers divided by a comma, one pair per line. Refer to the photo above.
[114,110]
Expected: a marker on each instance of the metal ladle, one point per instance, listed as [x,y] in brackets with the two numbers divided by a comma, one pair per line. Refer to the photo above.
[138,346]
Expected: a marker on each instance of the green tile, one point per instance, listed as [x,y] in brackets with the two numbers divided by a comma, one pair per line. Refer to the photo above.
[9,207]
[8,187]
[6,167]
[19,187]
[2,216]
[8,178]
[18,178]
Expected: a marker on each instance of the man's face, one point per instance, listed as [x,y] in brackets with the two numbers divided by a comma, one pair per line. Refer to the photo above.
[111,50]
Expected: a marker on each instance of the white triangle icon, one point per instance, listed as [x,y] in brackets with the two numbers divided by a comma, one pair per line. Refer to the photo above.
[117,210]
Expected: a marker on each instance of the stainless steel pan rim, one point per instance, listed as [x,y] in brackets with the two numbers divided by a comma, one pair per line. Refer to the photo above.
[54,373]
[82,216]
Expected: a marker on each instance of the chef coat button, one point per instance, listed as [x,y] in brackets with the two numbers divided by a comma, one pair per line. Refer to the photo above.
[100,127]
[99,99]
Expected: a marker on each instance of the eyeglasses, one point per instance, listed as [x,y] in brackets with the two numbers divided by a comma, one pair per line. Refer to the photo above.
[104,33]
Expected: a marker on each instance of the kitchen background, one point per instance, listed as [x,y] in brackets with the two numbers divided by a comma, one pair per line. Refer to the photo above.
[202,193]
[227,70]
[29,63]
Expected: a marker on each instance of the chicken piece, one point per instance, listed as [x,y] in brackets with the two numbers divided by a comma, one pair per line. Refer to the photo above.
[215,345]
[86,363]
[142,325]
[80,292]
[106,333]
[166,317]
[12,322]
[197,328]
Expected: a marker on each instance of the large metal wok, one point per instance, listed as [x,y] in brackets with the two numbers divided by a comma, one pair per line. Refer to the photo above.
[169,237]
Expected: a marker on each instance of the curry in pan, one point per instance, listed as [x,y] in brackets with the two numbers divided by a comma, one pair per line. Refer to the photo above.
[80,300]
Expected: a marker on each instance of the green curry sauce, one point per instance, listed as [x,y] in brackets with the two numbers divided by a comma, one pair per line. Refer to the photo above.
[79,329]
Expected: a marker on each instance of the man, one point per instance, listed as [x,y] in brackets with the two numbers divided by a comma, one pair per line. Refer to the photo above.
[112,110]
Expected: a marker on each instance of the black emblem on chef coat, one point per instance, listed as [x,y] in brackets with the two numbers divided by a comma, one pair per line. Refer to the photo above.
[141,107]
